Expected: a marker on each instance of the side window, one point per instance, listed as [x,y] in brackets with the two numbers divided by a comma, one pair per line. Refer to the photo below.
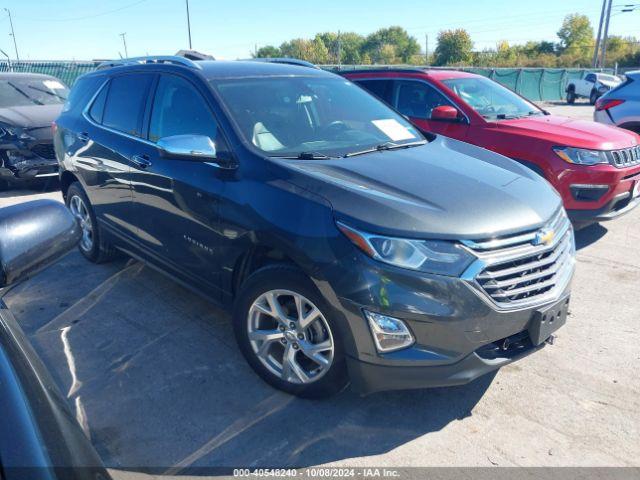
[81,93]
[591,78]
[125,102]
[380,88]
[179,109]
[417,99]
[97,108]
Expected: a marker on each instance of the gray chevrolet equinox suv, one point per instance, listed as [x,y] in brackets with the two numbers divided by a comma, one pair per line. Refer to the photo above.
[349,245]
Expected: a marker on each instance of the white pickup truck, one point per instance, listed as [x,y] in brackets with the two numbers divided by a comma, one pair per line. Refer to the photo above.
[592,86]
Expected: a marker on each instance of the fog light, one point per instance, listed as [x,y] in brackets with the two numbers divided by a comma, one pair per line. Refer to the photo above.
[389,333]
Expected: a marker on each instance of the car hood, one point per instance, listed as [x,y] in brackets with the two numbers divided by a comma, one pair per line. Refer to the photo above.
[609,83]
[445,189]
[563,131]
[30,116]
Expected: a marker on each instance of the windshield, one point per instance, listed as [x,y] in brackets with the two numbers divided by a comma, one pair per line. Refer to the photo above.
[607,78]
[291,116]
[490,99]
[22,92]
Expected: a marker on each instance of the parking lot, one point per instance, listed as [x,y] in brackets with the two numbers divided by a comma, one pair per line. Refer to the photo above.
[154,377]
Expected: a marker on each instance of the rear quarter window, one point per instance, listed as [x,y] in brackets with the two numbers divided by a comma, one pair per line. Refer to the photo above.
[81,93]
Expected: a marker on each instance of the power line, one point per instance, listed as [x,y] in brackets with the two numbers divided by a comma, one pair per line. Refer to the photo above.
[73,19]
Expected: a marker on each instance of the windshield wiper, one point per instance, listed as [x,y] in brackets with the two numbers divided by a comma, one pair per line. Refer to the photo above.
[305,156]
[37,102]
[386,146]
[47,92]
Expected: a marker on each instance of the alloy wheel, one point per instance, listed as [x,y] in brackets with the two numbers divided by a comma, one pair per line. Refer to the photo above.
[81,212]
[290,336]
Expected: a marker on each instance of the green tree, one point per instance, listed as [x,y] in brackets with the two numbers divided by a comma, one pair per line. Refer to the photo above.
[268,51]
[390,45]
[346,45]
[453,47]
[313,51]
[576,32]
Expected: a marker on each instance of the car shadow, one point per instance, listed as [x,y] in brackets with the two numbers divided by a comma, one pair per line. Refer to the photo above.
[589,235]
[153,374]
[30,188]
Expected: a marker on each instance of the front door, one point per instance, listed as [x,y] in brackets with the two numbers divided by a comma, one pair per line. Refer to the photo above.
[416,100]
[176,201]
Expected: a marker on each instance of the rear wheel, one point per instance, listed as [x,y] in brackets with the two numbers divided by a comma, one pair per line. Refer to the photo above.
[571,97]
[92,244]
[285,330]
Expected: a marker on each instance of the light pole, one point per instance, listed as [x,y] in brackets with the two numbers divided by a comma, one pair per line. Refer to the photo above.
[189,24]
[13,34]
[594,63]
[124,41]
[606,35]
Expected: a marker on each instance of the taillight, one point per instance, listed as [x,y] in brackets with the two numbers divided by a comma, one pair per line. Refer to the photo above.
[607,103]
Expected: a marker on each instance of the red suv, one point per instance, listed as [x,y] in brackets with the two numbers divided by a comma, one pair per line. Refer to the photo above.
[596,168]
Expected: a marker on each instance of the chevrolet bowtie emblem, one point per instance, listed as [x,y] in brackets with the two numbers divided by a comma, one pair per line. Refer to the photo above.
[544,237]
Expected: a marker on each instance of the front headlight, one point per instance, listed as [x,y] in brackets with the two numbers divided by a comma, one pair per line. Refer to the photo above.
[7,132]
[581,156]
[431,256]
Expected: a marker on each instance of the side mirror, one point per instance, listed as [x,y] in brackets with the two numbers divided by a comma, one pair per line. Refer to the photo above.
[32,236]
[192,147]
[445,113]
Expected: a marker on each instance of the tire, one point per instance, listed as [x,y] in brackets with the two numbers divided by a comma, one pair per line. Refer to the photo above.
[593,97]
[253,316]
[93,244]
[571,97]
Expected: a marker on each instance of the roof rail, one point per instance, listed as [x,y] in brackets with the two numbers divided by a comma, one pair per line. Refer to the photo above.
[152,59]
[288,61]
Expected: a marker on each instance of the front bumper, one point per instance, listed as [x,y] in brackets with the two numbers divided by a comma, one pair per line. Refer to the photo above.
[370,377]
[453,326]
[597,193]
[24,163]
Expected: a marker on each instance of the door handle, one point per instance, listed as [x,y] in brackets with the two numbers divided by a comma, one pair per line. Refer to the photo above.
[141,161]
[83,136]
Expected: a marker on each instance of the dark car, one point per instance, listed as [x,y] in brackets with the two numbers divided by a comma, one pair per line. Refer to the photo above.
[349,245]
[29,103]
[39,436]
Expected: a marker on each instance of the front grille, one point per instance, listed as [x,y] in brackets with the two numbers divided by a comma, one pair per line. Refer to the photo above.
[514,271]
[626,157]
[44,150]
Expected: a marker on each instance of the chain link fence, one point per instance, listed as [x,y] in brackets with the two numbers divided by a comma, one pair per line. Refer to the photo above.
[547,84]
[67,71]
[536,84]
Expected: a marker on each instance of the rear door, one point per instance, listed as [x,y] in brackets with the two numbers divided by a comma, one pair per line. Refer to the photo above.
[416,99]
[176,201]
[103,138]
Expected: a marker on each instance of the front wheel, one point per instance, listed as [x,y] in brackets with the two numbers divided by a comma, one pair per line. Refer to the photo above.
[286,332]
[571,97]
[593,97]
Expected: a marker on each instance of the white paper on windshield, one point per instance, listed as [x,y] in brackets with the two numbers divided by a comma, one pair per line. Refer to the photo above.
[393,129]
[53,84]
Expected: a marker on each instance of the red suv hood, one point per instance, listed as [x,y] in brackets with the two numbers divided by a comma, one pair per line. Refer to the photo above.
[569,132]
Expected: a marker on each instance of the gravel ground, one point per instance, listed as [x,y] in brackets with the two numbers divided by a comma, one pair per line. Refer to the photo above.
[153,373]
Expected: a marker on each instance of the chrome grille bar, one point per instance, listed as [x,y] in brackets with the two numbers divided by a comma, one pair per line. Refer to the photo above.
[627,157]
[518,275]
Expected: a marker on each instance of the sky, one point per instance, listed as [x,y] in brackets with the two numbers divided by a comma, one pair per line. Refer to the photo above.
[89,29]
